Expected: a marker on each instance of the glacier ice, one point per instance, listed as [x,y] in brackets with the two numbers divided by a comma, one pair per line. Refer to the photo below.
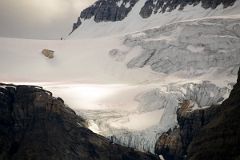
[193,54]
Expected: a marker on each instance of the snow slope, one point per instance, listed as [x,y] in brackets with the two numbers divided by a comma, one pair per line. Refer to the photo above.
[74,61]
[127,78]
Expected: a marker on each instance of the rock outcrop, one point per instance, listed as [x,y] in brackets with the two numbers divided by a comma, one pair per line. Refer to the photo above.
[220,138]
[211,133]
[106,10]
[169,144]
[35,125]
[162,6]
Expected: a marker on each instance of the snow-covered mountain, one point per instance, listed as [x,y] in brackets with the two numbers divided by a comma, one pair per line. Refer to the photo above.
[116,17]
[128,64]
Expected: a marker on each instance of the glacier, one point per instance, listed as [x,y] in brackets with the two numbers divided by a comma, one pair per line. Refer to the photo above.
[128,78]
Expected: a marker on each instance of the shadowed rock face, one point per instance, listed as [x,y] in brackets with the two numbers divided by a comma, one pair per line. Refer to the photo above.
[162,6]
[36,126]
[212,133]
[106,10]
[220,138]
[169,144]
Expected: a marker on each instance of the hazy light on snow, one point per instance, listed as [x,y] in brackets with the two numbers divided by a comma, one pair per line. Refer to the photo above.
[85,96]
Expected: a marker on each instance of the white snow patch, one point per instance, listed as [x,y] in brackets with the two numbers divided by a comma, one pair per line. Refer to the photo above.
[119,3]
[127,5]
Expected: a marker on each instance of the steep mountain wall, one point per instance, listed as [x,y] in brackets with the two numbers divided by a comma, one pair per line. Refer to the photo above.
[106,10]
[162,6]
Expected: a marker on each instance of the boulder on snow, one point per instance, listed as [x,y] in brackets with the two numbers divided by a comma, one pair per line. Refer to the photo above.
[48,53]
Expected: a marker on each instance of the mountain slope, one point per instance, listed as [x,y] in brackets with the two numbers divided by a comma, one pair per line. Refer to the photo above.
[35,125]
[139,15]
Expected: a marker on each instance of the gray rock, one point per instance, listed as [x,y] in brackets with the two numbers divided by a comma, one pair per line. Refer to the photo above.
[77,24]
[162,6]
[48,53]
[106,10]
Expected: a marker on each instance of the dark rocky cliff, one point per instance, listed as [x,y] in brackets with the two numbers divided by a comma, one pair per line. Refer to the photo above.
[220,138]
[36,126]
[212,133]
[106,10]
[161,6]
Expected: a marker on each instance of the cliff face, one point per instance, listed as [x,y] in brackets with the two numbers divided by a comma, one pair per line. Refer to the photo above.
[220,138]
[174,143]
[106,10]
[110,10]
[162,6]
[212,133]
[169,145]
[35,125]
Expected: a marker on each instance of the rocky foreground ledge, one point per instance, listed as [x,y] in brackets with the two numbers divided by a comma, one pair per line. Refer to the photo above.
[36,126]
[205,134]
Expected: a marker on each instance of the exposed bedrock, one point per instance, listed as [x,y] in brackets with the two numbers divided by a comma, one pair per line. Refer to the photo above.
[106,10]
[161,6]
